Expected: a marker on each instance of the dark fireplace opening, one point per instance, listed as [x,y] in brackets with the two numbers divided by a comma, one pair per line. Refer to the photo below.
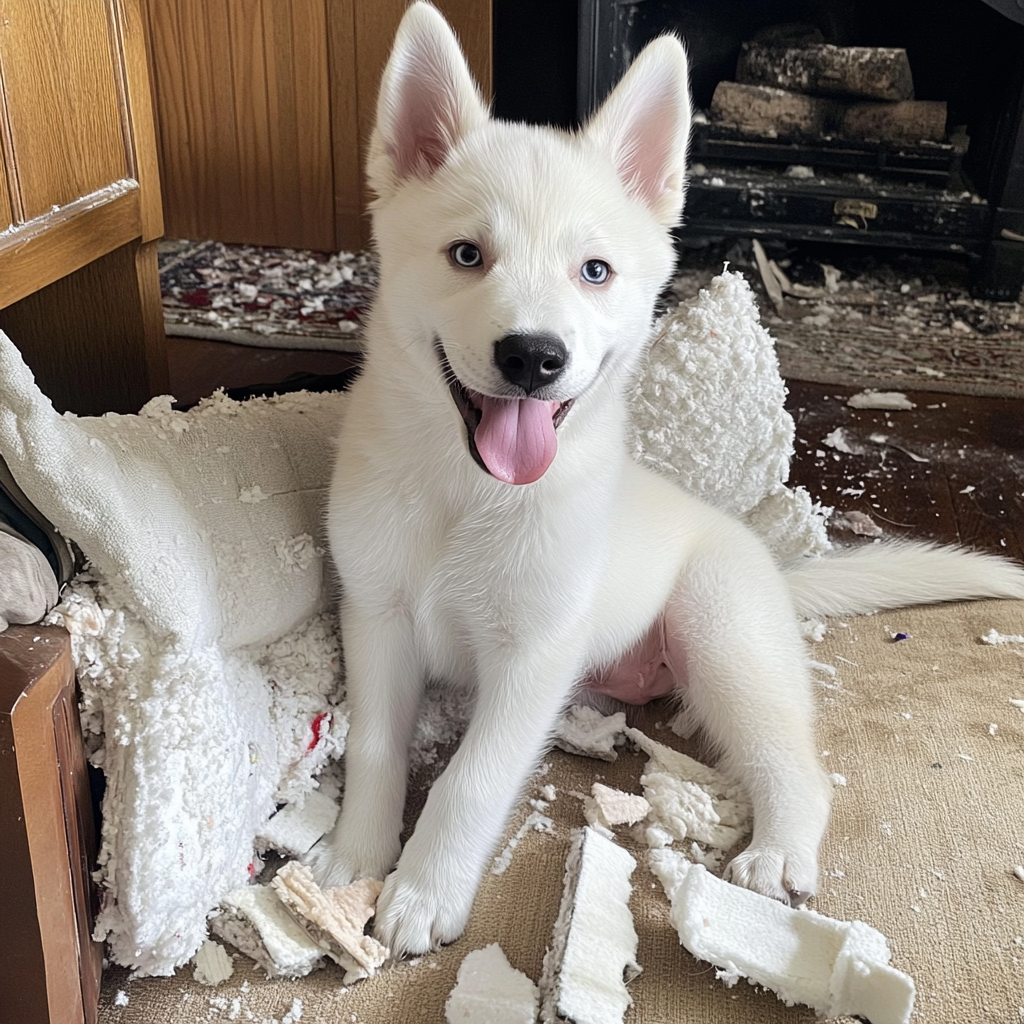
[960,190]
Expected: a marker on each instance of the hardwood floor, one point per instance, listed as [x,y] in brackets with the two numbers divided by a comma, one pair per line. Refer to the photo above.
[951,469]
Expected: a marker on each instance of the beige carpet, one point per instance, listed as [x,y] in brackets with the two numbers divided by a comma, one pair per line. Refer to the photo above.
[922,845]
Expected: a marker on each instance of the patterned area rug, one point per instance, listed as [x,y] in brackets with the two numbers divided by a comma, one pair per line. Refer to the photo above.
[848,317]
[274,298]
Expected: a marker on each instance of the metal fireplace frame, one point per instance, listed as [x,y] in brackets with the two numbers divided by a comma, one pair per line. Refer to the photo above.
[907,215]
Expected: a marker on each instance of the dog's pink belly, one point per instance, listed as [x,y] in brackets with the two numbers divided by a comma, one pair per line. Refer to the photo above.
[643,673]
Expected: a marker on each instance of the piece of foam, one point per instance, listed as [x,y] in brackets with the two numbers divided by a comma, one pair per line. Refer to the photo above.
[294,829]
[606,807]
[257,924]
[839,968]
[584,730]
[334,918]
[213,965]
[489,990]
[689,800]
[593,950]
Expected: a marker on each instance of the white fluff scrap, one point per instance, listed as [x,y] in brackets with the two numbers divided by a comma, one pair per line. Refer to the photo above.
[489,990]
[689,800]
[708,413]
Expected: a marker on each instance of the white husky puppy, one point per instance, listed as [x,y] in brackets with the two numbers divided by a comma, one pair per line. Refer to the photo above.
[488,524]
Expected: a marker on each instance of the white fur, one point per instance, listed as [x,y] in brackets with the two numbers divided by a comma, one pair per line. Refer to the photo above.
[449,574]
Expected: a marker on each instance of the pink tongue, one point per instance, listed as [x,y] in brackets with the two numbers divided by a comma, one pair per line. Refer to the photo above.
[516,437]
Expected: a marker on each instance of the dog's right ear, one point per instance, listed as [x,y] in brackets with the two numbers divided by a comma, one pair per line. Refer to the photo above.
[427,102]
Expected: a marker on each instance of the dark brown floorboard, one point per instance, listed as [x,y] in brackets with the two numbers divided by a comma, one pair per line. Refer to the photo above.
[197,367]
[970,490]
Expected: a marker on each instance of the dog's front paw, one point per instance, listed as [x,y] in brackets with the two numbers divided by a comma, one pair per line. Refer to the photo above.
[343,856]
[421,908]
[786,875]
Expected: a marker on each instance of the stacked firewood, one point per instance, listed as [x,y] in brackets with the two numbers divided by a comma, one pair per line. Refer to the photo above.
[792,85]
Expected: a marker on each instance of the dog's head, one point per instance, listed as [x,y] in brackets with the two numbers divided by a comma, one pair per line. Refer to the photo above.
[520,265]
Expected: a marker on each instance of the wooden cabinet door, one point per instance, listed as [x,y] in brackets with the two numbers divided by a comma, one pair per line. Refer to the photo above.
[264,110]
[80,207]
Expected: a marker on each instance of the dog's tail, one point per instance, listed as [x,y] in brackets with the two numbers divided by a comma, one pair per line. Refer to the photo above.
[895,575]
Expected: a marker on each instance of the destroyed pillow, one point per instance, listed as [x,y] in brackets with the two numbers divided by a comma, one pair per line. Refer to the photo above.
[708,412]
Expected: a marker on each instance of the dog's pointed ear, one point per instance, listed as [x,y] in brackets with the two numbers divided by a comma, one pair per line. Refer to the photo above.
[427,102]
[645,124]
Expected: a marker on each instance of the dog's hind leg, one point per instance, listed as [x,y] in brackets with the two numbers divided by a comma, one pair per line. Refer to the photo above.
[427,900]
[384,685]
[733,641]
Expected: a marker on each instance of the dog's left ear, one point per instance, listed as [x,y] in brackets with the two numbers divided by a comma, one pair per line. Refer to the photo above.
[645,124]
[428,101]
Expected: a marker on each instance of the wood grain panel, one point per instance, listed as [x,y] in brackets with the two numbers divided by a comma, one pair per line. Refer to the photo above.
[350,232]
[6,213]
[264,107]
[94,339]
[130,40]
[243,114]
[64,112]
[375,27]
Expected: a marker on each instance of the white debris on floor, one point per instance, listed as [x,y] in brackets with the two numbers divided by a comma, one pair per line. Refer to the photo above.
[334,918]
[297,826]
[607,807]
[892,400]
[584,730]
[995,638]
[213,965]
[255,921]
[489,990]
[535,821]
[843,965]
[690,801]
[592,955]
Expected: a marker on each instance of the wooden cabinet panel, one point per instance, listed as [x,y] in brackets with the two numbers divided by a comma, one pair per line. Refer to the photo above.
[65,116]
[79,290]
[6,216]
[264,108]
[244,120]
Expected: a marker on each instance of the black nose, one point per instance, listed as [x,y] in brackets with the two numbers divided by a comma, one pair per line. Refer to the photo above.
[530,360]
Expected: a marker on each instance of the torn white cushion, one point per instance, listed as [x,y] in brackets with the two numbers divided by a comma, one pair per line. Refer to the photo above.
[709,413]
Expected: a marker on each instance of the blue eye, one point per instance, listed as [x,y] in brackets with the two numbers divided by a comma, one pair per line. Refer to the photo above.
[466,255]
[595,272]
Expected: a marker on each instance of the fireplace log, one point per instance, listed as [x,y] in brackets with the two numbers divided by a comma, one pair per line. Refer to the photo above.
[765,112]
[865,72]
[761,111]
[910,121]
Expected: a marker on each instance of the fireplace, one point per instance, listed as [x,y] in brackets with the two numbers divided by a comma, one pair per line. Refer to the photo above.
[961,191]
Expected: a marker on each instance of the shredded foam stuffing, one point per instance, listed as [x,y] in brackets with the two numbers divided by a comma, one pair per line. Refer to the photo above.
[213,965]
[592,955]
[995,638]
[334,917]
[842,966]
[689,800]
[210,675]
[585,731]
[607,807]
[713,367]
[535,821]
[489,990]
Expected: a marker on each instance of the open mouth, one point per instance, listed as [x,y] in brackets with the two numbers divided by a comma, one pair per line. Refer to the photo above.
[513,439]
